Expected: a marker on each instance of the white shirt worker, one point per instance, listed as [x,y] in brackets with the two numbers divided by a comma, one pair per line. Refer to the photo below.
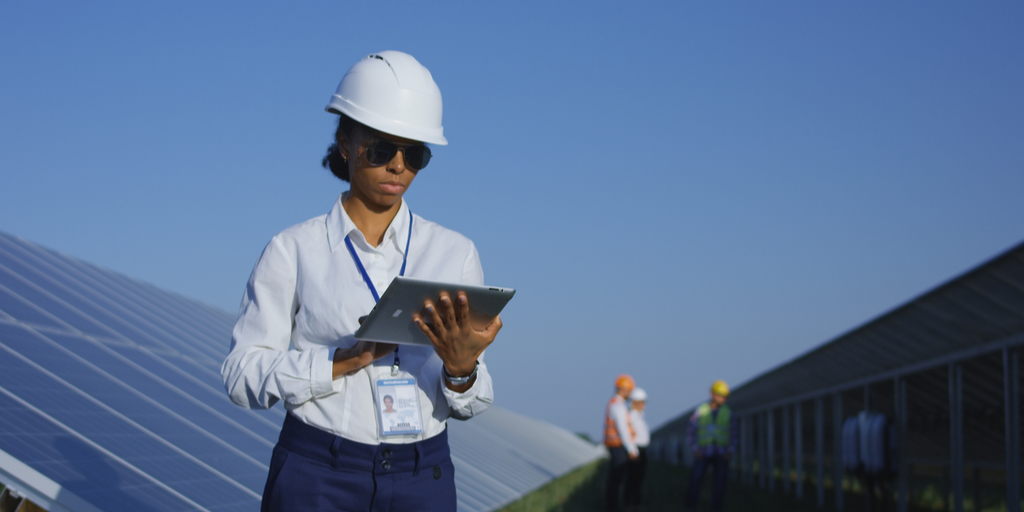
[303,301]
[643,432]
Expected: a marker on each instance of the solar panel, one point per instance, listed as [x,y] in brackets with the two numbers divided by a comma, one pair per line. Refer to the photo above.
[111,399]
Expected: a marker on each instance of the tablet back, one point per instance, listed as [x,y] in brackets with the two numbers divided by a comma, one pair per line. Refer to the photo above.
[391,319]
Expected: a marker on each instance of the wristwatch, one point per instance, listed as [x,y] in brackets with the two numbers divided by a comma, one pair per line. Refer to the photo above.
[459,381]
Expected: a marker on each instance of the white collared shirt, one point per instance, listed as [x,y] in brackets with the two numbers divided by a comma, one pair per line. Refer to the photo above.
[643,432]
[307,292]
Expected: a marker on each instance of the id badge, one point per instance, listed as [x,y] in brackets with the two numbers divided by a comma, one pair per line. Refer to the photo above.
[398,406]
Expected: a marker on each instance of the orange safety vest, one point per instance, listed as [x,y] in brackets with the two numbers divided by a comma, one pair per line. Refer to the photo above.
[611,432]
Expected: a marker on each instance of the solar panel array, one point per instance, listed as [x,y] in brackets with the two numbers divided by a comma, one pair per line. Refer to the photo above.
[111,399]
[967,320]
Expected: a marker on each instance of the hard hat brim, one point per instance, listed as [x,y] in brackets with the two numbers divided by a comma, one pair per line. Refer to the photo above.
[340,105]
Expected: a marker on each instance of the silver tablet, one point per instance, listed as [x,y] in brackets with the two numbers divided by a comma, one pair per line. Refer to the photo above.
[391,319]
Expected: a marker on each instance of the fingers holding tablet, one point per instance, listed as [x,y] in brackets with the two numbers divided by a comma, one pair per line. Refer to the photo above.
[457,341]
[419,312]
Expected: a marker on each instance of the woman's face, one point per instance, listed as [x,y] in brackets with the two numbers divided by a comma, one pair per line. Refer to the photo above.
[388,403]
[381,186]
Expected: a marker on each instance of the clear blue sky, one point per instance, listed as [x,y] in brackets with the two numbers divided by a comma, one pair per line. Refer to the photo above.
[684,191]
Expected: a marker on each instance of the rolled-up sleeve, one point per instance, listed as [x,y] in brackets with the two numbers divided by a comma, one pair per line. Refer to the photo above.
[475,400]
[260,369]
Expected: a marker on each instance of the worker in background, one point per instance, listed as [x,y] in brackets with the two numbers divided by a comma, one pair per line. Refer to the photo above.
[619,438]
[712,438]
[637,466]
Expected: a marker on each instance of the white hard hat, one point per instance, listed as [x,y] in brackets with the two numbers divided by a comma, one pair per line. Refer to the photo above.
[638,395]
[392,92]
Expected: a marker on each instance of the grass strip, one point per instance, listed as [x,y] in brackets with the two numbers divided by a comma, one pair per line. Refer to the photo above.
[564,491]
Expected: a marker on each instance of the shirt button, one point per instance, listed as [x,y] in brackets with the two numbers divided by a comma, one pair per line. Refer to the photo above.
[386,453]
[386,465]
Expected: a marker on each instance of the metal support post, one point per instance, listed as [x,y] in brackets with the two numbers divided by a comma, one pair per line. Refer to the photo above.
[752,448]
[798,439]
[752,435]
[738,456]
[785,448]
[742,455]
[1011,403]
[867,409]
[837,449]
[752,442]
[819,447]
[756,424]
[956,436]
[10,499]
[771,449]
[762,420]
[766,468]
[902,467]
[755,449]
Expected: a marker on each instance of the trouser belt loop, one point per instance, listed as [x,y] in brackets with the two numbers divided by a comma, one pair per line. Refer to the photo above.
[336,453]
[416,460]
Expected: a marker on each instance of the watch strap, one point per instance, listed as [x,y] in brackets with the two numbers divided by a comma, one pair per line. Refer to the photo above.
[459,381]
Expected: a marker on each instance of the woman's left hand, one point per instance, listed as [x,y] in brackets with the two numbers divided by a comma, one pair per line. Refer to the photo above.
[455,339]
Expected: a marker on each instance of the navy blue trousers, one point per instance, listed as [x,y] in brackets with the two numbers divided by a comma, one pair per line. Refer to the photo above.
[635,478]
[721,468]
[314,470]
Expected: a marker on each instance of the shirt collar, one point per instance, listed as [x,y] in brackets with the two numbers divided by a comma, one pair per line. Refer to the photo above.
[340,225]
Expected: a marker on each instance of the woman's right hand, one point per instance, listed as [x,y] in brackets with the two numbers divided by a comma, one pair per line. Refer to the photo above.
[350,360]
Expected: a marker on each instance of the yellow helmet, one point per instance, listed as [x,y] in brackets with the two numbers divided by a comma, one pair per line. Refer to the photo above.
[625,381]
[720,388]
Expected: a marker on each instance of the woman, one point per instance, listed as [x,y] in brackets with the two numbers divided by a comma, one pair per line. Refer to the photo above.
[314,281]
[642,438]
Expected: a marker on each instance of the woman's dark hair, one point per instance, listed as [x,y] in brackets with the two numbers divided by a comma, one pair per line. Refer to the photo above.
[333,160]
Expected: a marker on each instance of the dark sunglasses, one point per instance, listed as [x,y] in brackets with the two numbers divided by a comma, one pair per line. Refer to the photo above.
[380,152]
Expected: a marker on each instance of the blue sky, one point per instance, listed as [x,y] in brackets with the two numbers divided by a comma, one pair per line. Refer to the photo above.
[683,191]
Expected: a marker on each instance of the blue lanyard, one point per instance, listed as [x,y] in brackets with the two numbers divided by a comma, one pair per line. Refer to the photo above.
[369,282]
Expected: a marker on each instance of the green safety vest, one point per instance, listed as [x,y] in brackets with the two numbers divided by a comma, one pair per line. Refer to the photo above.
[713,431]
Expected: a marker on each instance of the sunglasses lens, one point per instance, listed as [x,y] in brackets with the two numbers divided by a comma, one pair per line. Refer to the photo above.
[380,152]
[417,157]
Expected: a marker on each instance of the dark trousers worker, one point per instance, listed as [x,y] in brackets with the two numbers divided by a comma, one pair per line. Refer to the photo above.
[712,438]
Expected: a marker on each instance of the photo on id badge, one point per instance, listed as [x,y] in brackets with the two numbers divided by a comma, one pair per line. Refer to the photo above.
[398,407]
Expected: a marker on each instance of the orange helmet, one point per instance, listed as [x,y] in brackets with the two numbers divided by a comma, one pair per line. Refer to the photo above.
[625,381]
